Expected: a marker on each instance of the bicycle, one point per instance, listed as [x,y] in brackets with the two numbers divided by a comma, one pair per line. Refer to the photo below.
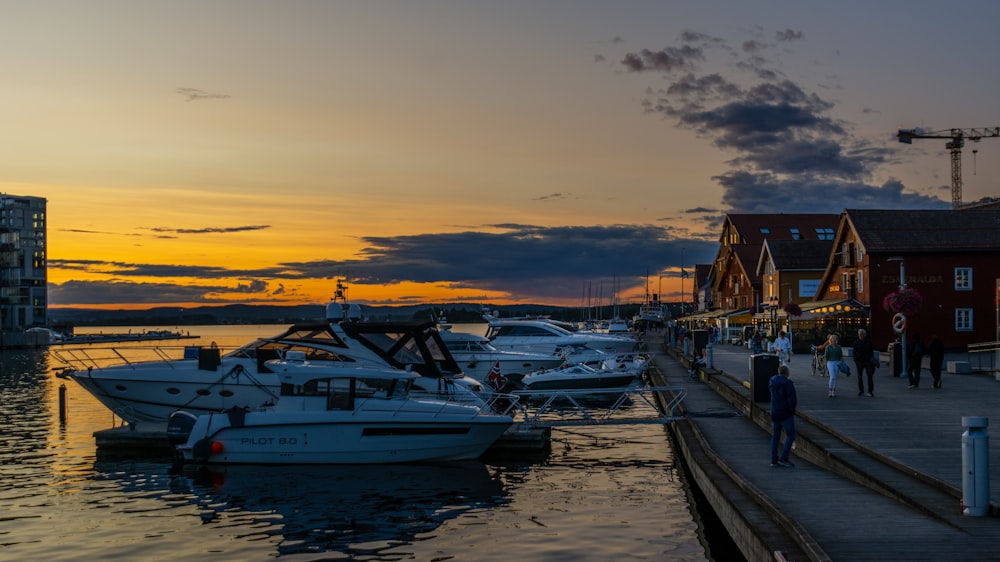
[818,363]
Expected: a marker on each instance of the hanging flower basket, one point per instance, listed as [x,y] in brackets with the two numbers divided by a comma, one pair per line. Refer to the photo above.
[905,301]
[792,309]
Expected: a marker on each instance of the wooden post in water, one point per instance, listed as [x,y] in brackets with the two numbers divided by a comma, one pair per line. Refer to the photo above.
[62,404]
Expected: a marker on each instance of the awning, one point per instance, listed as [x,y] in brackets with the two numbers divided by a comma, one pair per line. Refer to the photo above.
[704,315]
[779,314]
[713,314]
[835,307]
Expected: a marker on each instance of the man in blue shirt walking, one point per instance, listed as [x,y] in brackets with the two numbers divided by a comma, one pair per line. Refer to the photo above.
[783,402]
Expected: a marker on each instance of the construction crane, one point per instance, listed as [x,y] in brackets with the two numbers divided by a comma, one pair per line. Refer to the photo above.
[957,141]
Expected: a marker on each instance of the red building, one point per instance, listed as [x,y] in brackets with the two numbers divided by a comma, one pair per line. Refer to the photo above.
[952,257]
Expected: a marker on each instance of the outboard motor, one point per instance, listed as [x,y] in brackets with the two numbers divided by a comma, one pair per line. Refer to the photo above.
[179,427]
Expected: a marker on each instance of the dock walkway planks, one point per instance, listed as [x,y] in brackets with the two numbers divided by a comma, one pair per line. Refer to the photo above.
[920,429]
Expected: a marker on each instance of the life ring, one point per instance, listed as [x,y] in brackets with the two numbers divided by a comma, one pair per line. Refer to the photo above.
[899,323]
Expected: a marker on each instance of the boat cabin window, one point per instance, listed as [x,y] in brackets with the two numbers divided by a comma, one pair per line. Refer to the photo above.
[524,331]
[341,394]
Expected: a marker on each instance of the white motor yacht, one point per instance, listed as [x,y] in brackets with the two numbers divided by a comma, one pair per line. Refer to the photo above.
[580,376]
[340,414]
[147,384]
[539,335]
[478,357]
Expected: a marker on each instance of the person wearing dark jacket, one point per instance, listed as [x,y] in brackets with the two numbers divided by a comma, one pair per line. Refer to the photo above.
[864,361]
[783,402]
[935,351]
[916,352]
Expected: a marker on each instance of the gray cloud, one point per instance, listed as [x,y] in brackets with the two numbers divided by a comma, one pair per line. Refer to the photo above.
[531,263]
[119,291]
[787,35]
[194,94]
[787,146]
[211,230]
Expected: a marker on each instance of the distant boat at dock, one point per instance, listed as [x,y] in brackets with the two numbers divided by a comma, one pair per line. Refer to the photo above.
[152,335]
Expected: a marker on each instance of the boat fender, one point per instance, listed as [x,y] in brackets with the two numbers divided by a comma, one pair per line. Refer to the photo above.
[179,427]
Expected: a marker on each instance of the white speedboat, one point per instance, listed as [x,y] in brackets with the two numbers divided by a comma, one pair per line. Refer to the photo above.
[147,384]
[340,414]
[538,335]
[580,376]
[478,357]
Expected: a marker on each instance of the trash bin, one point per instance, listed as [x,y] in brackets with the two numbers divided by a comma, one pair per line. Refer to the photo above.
[895,359]
[762,367]
[700,338]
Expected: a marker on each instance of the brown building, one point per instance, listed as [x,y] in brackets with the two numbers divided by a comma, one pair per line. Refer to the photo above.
[736,283]
[736,292]
[952,257]
[790,271]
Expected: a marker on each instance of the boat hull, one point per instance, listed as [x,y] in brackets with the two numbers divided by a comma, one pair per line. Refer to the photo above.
[340,438]
[151,392]
[580,383]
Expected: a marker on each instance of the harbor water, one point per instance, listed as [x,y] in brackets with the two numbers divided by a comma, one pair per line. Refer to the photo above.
[600,493]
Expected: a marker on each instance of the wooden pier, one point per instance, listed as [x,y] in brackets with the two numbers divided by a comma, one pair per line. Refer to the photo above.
[875,478]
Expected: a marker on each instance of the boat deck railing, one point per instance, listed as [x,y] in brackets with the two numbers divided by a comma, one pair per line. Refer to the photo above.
[633,405]
[83,358]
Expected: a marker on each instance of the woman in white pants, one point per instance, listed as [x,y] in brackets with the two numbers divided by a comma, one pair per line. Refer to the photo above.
[834,355]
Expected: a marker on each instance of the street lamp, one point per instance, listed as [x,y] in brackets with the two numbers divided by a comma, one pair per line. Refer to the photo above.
[788,317]
[902,285]
[773,301]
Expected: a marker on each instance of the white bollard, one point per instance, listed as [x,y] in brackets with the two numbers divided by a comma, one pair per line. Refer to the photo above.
[975,466]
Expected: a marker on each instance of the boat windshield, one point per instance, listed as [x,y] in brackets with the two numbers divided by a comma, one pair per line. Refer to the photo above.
[415,345]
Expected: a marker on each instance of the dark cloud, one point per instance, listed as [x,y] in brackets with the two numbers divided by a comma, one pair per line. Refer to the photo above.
[126,269]
[194,94]
[664,60]
[531,263]
[553,196]
[81,231]
[526,261]
[118,291]
[787,35]
[768,193]
[787,146]
[211,230]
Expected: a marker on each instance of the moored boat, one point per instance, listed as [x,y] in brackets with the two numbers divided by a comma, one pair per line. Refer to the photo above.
[539,335]
[143,384]
[477,357]
[582,376]
[337,414]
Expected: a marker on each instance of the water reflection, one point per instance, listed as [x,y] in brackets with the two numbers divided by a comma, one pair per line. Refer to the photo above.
[24,408]
[354,510]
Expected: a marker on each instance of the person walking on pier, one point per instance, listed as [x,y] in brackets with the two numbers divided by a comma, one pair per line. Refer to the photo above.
[864,360]
[916,350]
[783,402]
[834,355]
[935,351]
[783,348]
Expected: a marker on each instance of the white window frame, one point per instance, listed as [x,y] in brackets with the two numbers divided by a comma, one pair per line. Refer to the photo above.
[963,320]
[861,282]
[963,278]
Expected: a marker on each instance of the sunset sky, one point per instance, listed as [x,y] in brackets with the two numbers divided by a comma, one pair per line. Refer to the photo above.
[208,152]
